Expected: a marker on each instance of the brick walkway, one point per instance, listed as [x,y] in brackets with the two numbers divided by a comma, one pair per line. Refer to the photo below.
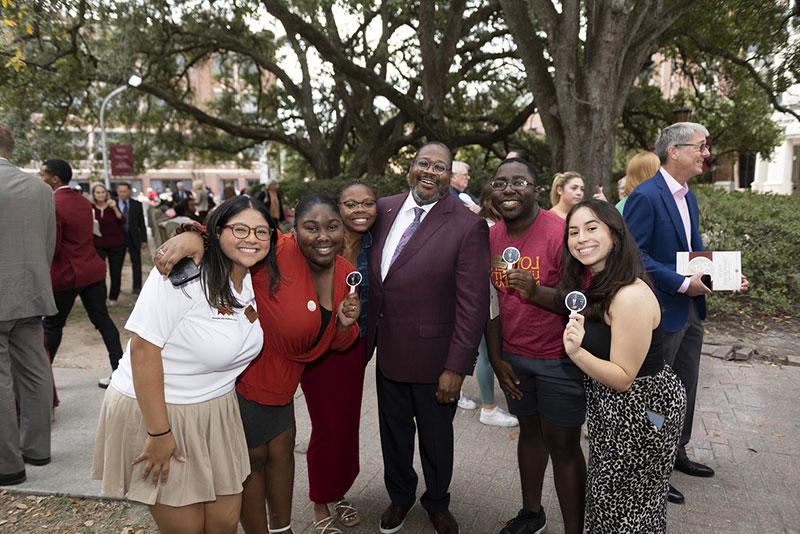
[747,427]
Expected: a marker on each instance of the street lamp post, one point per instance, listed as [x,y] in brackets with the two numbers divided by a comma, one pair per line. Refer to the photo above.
[133,81]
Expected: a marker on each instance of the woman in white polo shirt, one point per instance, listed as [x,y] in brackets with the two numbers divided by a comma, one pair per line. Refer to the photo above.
[170,434]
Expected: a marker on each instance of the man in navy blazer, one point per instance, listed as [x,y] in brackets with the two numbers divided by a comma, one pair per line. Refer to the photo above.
[663,217]
[428,305]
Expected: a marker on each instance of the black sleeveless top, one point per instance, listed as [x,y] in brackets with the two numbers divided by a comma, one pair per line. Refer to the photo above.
[597,340]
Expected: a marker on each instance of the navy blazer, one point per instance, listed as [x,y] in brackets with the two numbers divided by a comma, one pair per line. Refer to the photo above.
[655,223]
[430,312]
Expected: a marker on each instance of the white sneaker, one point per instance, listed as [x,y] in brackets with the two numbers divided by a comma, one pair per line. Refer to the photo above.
[110,302]
[465,403]
[497,417]
[103,383]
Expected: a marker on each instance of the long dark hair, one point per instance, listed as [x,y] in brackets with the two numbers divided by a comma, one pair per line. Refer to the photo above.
[216,266]
[622,267]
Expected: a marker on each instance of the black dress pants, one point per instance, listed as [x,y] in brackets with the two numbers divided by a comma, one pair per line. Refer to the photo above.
[114,256]
[134,249]
[93,298]
[400,404]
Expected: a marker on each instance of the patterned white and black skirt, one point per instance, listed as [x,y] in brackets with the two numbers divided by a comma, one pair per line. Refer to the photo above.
[631,458]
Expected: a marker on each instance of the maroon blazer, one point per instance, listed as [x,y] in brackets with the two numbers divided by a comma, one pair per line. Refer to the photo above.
[76,263]
[430,312]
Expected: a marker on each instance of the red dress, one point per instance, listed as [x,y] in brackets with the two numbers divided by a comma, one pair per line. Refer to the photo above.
[333,387]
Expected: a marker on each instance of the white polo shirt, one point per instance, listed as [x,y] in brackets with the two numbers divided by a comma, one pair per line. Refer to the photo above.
[202,350]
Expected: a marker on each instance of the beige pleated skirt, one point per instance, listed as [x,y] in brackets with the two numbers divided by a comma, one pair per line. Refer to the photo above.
[209,434]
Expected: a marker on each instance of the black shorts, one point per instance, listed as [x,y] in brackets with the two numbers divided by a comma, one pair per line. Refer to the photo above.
[551,388]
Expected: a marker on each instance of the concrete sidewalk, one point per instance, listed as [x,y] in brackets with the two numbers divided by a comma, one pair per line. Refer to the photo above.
[746,427]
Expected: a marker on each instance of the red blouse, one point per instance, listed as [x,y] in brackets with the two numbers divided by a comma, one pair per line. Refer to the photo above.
[291,320]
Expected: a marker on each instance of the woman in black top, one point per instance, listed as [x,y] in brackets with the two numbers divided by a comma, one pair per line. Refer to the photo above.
[635,405]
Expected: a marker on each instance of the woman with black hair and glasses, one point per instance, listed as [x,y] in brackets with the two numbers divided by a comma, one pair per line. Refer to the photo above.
[305,312]
[170,434]
[333,449]
[635,404]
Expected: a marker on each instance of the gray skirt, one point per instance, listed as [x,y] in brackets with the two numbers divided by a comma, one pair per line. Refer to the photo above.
[262,423]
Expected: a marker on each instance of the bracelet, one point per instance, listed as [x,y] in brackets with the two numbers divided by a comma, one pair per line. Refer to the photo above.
[159,434]
[194,227]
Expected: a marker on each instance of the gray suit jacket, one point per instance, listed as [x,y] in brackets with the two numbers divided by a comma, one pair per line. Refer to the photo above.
[27,244]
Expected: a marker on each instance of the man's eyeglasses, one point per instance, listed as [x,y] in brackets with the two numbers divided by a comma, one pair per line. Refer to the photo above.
[699,147]
[428,166]
[353,204]
[518,183]
[242,231]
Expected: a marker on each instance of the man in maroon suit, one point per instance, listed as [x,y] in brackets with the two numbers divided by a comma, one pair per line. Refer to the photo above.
[428,305]
[76,270]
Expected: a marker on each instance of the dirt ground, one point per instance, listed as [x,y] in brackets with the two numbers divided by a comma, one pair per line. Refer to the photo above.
[71,515]
[81,347]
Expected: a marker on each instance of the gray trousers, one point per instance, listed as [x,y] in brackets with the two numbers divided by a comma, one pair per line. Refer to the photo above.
[25,376]
[682,353]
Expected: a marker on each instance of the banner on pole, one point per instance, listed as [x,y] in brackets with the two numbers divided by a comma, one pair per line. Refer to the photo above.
[121,156]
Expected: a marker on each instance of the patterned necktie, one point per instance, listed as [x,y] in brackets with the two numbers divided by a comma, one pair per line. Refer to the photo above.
[407,234]
[125,214]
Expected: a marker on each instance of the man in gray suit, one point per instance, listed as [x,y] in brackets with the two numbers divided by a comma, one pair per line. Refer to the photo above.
[27,241]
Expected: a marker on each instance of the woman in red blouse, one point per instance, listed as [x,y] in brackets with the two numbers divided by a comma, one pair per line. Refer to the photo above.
[110,244]
[304,311]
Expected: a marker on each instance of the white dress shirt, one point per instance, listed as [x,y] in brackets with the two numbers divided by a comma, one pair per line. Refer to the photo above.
[405,217]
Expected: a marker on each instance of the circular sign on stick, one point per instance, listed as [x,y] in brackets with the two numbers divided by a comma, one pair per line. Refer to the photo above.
[575,301]
[511,256]
[354,280]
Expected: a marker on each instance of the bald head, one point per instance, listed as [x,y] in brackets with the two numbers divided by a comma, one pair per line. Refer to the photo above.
[6,142]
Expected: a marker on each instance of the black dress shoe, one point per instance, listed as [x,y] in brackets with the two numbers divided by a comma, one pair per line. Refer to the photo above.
[443,522]
[393,518]
[674,496]
[36,461]
[12,479]
[685,465]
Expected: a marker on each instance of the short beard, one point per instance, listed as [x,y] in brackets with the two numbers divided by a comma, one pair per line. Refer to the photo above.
[425,201]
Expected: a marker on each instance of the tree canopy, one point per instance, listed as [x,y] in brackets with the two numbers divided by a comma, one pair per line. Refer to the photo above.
[346,85]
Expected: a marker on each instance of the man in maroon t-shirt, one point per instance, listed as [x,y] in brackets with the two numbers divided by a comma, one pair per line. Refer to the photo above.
[543,387]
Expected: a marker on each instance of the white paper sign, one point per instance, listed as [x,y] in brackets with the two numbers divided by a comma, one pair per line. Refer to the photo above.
[724,268]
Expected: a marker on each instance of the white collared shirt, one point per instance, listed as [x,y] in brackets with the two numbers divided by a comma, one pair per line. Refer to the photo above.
[405,217]
[679,192]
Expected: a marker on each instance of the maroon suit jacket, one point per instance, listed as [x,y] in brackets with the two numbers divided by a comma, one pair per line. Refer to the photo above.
[430,312]
[76,263]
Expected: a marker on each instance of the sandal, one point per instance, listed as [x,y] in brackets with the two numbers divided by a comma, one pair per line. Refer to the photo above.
[326,526]
[347,513]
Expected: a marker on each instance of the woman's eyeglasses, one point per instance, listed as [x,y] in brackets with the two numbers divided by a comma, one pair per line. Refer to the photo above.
[242,231]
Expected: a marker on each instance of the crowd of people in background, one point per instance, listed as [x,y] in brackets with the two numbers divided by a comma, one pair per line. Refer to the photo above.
[198,419]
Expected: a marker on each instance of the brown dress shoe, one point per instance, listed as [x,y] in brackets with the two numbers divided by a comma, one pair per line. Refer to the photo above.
[443,522]
[393,518]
